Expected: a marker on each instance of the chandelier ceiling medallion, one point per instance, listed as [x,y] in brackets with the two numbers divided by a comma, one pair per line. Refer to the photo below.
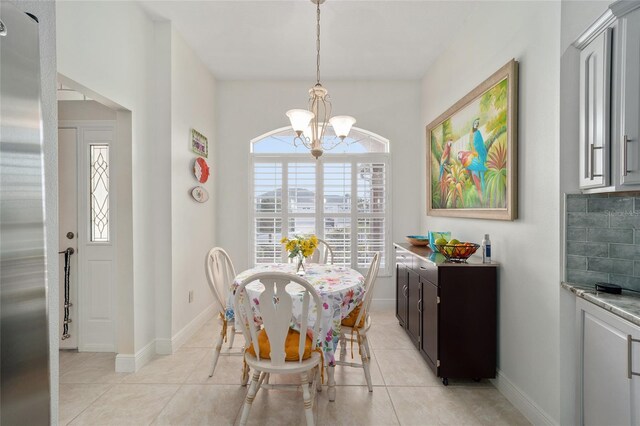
[310,125]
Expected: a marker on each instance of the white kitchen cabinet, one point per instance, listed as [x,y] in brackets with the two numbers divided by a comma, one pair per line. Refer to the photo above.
[609,349]
[595,97]
[609,151]
[627,99]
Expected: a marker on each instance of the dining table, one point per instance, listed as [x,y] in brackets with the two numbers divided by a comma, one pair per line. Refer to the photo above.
[340,288]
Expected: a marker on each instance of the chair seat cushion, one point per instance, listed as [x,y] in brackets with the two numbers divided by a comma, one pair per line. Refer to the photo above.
[290,346]
[350,320]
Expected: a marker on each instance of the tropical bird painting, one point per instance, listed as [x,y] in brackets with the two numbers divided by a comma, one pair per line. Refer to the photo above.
[469,154]
[445,157]
[478,141]
[473,162]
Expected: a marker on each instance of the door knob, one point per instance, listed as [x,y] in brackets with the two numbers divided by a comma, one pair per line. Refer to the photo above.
[70,235]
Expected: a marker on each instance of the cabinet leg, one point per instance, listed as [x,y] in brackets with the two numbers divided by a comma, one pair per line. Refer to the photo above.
[445,381]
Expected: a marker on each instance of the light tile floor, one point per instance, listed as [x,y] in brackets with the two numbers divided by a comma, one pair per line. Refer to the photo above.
[177,390]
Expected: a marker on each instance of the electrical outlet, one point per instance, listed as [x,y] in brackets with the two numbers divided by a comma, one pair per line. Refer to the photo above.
[190,296]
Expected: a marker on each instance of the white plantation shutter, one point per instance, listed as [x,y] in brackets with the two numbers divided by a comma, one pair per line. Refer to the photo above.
[301,181]
[337,188]
[268,235]
[342,198]
[337,233]
[267,209]
[371,204]
[267,187]
[336,197]
[301,226]
[302,187]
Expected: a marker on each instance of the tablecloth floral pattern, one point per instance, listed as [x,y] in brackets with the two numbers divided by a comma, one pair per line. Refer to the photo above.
[340,288]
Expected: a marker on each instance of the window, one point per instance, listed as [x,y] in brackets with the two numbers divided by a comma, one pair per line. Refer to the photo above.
[99,192]
[342,198]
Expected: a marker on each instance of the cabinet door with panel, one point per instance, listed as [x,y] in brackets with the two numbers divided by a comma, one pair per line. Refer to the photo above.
[429,341]
[413,312]
[628,135]
[595,85]
[402,291]
[610,356]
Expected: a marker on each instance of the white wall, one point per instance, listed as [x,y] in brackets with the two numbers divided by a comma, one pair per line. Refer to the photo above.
[45,11]
[116,63]
[84,110]
[146,68]
[249,109]
[192,224]
[162,134]
[527,248]
[576,17]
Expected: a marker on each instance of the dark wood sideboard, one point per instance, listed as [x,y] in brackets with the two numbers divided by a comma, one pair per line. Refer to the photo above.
[449,311]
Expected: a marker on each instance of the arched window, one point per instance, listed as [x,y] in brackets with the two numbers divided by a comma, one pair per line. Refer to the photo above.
[342,197]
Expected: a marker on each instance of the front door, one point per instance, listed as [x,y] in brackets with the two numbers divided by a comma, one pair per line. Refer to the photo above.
[86,217]
[68,235]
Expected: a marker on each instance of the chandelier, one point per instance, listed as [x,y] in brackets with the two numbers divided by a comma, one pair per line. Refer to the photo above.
[310,125]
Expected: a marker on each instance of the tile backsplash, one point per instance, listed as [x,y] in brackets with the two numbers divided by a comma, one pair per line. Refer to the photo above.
[603,239]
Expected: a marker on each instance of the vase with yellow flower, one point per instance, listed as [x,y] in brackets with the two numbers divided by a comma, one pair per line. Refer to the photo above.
[300,247]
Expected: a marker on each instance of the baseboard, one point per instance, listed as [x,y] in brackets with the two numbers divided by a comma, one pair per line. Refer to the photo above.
[521,401]
[163,346]
[130,363]
[181,337]
[125,363]
[383,304]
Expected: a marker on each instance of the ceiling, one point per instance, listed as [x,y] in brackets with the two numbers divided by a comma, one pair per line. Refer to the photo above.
[275,40]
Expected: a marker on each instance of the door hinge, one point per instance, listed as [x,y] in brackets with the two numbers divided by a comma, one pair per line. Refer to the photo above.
[438,363]
[419,339]
[438,299]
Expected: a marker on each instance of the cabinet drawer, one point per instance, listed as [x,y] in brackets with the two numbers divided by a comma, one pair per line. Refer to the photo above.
[427,270]
[404,258]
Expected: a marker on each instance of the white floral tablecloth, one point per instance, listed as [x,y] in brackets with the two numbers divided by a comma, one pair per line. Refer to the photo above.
[340,288]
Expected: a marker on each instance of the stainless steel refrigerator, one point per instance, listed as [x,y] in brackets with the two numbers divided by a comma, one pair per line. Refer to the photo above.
[24,344]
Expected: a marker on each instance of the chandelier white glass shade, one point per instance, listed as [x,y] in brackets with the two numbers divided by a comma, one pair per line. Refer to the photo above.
[310,125]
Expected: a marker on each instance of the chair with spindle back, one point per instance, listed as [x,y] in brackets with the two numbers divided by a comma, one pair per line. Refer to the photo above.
[323,253]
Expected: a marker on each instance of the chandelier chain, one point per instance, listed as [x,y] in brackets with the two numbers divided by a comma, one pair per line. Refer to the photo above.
[318,42]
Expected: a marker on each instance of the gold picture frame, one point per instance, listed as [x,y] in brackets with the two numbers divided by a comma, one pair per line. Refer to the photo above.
[472,152]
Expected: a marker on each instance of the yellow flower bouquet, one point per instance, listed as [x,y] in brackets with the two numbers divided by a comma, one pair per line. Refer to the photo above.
[300,247]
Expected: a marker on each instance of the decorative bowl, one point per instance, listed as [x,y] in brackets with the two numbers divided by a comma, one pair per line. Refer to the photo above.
[418,240]
[458,252]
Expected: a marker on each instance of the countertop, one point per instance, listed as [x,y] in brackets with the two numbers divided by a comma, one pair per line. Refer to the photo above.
[625,305]
[425,253]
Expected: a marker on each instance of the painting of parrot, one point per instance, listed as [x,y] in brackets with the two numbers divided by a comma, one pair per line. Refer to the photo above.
[469,155]
[445,157]
[471,161]
[478,142]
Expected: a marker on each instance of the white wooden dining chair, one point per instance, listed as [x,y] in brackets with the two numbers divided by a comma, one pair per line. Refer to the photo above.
[323,253]
[361,326]
[276,310]
[220,274]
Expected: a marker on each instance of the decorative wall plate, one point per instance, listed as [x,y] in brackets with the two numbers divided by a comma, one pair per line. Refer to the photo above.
[199,194]
[201,170]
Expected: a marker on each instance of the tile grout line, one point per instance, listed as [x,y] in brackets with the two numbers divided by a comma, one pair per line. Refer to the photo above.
[91,403]
[180,386]
[393,406]
[167,403]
